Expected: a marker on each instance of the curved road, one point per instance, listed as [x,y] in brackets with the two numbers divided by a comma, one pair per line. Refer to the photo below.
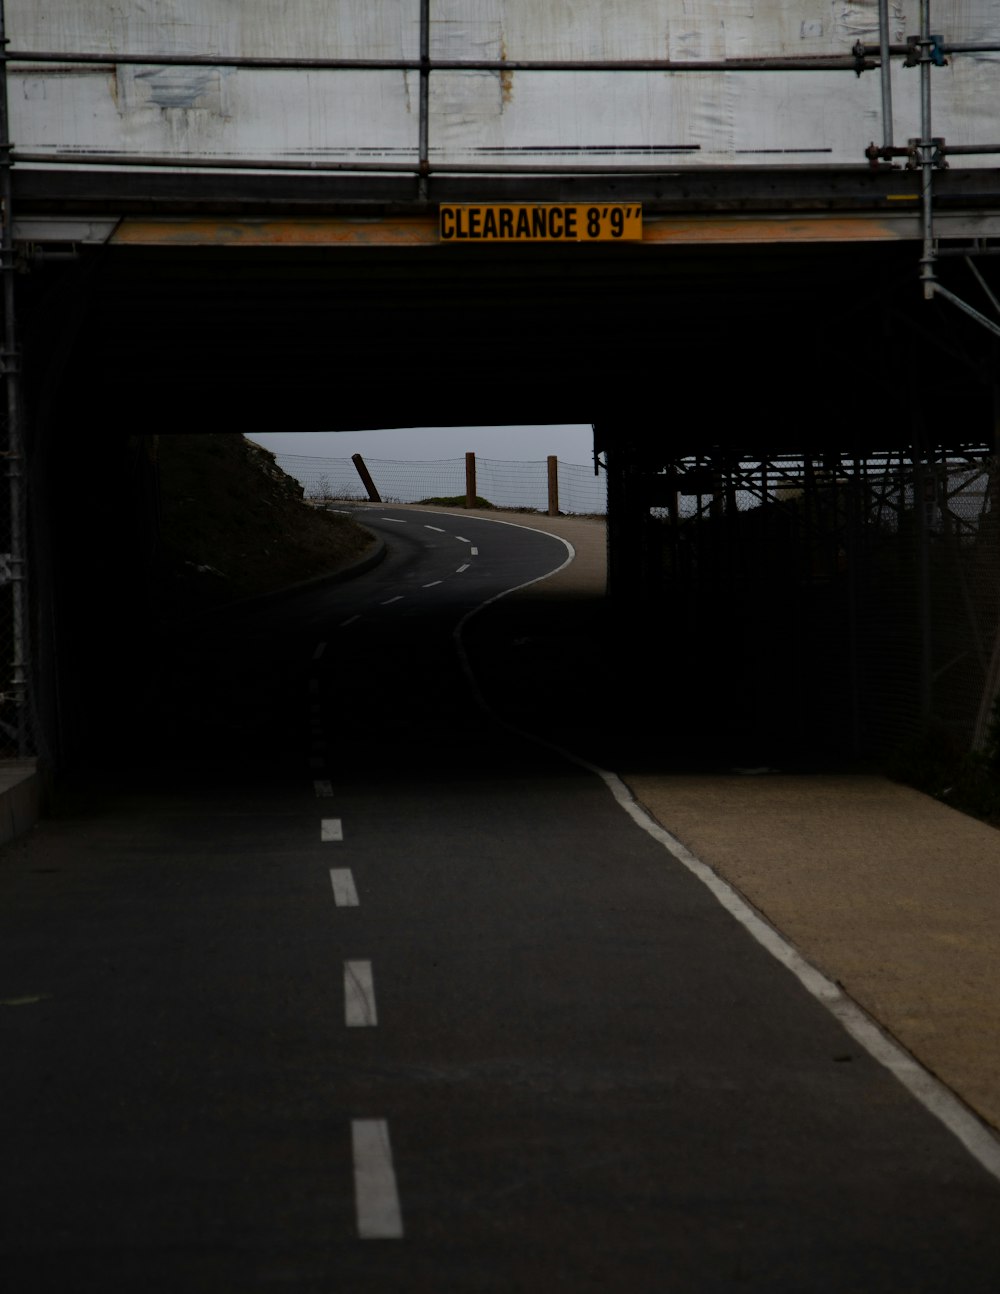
[371,993]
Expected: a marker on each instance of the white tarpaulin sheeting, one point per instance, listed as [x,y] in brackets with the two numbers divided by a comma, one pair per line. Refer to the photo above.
[670,119]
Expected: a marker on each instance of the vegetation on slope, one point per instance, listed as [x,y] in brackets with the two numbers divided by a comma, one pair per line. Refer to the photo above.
[233,525]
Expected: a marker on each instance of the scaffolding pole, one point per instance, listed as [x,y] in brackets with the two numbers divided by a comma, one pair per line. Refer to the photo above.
[17,572]
[886,72]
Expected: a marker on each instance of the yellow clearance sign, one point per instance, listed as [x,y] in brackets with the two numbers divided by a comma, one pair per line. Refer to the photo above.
[541,222]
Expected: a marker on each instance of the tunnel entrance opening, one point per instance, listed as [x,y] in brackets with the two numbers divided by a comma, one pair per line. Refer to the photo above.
[714,361]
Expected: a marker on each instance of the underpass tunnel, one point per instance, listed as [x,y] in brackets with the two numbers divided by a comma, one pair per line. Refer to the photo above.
[684,358]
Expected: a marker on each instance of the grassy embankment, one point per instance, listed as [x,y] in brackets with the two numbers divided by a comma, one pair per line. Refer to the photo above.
[234,525]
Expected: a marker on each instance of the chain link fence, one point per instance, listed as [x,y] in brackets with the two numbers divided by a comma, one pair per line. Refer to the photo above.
[502,484]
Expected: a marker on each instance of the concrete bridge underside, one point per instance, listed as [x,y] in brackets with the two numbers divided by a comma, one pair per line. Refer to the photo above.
[747,294]
[785,320]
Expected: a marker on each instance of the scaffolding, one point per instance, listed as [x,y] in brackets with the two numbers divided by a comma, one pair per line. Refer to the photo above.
[692,490]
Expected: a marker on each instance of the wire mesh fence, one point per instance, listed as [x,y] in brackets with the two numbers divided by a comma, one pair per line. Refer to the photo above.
[501,484]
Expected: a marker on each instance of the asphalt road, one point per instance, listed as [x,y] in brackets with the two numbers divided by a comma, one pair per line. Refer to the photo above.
[347,986]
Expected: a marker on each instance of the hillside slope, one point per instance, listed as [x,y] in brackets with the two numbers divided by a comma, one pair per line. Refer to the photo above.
[233,525]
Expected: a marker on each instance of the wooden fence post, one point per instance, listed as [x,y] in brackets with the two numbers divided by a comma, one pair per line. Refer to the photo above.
[553,486]
[470,480]
[366,479]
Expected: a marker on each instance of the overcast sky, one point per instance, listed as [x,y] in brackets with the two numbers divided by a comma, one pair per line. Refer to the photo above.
[570,442]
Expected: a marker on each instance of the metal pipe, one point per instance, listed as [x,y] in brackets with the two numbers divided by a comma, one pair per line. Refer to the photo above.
[112,60]
[125,161]
[970,47]
[952,47]
[886,72]
[964,251]
[939,291]
[977,274]
[814,63]
[425,87]
[131,161]
[926,155]
[15,416]
[925,683]
[968,150]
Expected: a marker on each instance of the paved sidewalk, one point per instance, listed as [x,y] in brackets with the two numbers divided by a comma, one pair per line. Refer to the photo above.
[890,893]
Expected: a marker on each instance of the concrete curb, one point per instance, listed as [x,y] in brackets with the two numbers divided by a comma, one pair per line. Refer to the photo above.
[20,797]
[363,564]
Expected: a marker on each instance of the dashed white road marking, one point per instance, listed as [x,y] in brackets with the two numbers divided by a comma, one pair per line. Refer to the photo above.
[396,521]
[390,601]
[376,1198]
[437,528]
[323,788]
[320,649]
[331,829]
[349,621]
[462,539]
[462,568]
[359,996]
[317,762]
[345,894]
[314,687]
[432,583]
[474,552]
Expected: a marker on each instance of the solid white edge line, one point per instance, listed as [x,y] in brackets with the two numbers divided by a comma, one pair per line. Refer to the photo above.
[933,1095]
[345,893]
[331,829]
[939,1100]
[359,996]
[376,1197]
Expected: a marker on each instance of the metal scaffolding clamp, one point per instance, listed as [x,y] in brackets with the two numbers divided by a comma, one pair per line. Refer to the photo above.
[933,43]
